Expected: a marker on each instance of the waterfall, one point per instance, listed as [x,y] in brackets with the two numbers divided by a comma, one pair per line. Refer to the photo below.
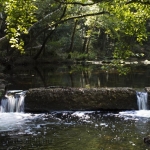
[13,101]
[142,100]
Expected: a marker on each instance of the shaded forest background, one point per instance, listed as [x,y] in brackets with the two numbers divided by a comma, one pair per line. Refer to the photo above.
[61,30]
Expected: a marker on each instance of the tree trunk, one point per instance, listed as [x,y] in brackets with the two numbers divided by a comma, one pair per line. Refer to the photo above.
[72,39]
[84,45]
[87,46]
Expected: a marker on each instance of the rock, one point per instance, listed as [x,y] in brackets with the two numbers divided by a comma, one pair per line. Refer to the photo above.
[147,139]
[146,62]
[147,89]
[2,86]
[2,75]
[81,99]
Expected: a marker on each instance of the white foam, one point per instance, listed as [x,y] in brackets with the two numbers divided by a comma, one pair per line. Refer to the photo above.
[14,121]
[140,113]
[82,114]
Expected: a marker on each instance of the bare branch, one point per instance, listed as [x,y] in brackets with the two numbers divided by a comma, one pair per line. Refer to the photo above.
[3,39]
[81,16]
[45,17]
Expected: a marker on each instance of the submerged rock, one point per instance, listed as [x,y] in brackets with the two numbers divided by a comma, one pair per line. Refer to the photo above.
[147,139]
[80,99]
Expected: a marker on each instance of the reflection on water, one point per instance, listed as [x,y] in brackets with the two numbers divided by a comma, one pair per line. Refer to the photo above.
[80,130]
[77,76]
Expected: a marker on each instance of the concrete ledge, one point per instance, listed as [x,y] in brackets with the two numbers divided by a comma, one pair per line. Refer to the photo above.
[41,99]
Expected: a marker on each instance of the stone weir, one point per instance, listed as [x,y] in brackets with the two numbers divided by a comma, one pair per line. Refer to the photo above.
[49,99]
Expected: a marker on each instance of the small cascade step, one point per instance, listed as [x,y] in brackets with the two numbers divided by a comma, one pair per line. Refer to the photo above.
[13,101]
[142,101]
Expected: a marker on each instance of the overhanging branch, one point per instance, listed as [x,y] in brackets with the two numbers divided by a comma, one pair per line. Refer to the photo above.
[76,3]
[80,16]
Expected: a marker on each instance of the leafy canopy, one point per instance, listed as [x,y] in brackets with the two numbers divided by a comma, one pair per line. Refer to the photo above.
[126,17]
[20,16]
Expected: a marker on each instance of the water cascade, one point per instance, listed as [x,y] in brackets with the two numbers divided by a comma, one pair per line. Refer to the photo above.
[142,100]
[13,101]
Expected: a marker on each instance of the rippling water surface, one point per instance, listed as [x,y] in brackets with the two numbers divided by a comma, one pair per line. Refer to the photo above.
[75,130]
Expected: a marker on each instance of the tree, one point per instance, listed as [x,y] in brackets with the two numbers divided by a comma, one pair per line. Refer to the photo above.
[121,20]
[19,17]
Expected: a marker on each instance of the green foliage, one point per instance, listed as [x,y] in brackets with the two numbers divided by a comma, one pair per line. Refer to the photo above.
[123,70]
[78,55]
[81,68]
[122,51]
[129,19]
[82,56]
[120,20]
[117,65]
[20,16]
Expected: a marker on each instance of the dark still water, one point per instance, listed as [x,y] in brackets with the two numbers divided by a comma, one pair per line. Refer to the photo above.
[25,77]
[80,130]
